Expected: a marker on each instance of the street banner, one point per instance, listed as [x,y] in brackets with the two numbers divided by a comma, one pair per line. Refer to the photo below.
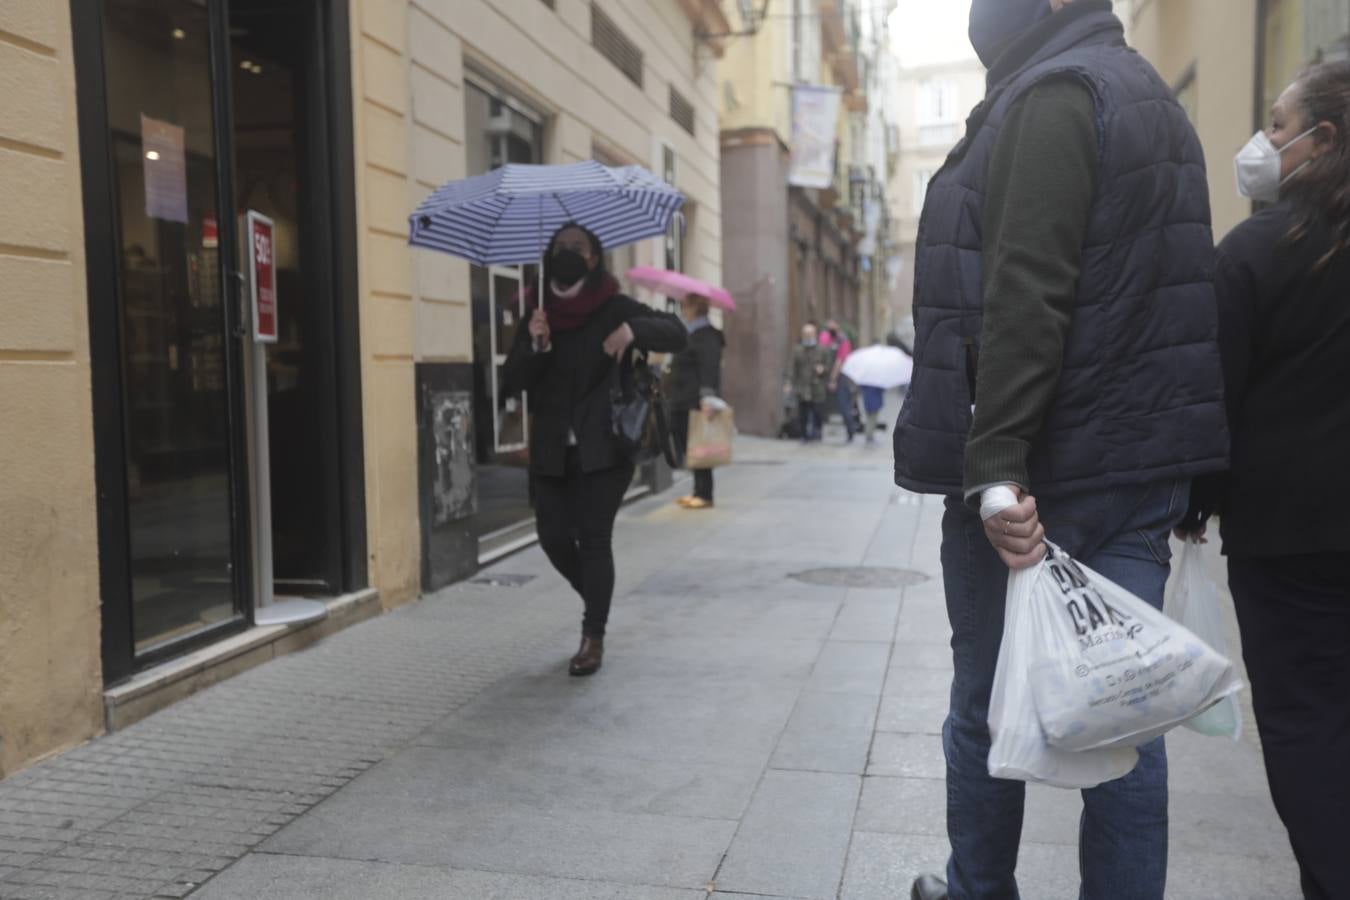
[815,131]
[262,277]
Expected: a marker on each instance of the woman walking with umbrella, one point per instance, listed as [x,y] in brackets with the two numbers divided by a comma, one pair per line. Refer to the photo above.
[565,360]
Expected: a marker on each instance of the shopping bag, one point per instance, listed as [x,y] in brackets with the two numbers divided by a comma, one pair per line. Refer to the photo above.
[1019,749]
[711,432]
[1109,670]
[1193,600]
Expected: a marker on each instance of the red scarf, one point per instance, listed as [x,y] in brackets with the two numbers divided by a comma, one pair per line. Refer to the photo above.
[569,314]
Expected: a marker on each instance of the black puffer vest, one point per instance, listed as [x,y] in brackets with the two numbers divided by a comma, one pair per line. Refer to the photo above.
[1141,393]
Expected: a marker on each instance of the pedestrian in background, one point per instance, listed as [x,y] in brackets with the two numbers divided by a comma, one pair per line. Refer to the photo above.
[1067,348]
[565,359]
[1283,284]
[811,365]
[840,386]
[696,383]
[873,398]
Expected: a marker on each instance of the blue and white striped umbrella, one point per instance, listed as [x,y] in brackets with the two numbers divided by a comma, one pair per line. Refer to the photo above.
[507,216]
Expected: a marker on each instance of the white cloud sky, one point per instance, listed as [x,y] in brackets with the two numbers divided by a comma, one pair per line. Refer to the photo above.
[925,32]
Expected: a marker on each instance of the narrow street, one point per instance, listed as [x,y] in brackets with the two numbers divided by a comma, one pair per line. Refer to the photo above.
[766,725]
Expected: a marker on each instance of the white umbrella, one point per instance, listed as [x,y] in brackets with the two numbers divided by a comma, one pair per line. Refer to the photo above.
[879,366]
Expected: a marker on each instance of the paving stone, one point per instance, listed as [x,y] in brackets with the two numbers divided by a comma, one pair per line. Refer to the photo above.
[795,837]
[867,617]
[420,750]
[847,667]
[828,733]
[303,878]
[915,700]
[922,656]
[907,756]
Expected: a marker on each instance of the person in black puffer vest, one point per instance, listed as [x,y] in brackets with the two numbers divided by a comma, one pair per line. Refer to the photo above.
[1283,283]
[566,360]
[1066,347]
[696,379]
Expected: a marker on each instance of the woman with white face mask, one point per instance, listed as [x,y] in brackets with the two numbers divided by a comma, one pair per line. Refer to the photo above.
[1283,285]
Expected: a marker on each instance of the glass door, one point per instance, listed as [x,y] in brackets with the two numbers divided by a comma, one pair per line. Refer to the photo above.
[174,352]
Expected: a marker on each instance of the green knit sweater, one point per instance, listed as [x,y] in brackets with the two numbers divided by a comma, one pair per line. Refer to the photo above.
[1042,180]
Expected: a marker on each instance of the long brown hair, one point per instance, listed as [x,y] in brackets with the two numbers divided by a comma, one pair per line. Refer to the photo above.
[1321,193]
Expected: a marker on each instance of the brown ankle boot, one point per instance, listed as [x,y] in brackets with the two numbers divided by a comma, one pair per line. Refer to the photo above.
[589,657]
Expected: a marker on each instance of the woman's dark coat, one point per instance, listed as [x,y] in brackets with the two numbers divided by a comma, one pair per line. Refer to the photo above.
[697,372]
[569,385]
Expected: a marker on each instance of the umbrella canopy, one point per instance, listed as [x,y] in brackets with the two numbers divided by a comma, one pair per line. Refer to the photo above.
[507,216]
[879,366]
[679,285]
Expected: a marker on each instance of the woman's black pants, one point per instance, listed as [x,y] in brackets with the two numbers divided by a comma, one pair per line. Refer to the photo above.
[1294,612]
[679,430]
[575,518]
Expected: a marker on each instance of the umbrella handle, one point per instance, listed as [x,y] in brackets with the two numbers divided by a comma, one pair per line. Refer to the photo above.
[539,342]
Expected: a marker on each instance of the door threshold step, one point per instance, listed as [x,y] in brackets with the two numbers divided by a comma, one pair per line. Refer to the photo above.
[176,679]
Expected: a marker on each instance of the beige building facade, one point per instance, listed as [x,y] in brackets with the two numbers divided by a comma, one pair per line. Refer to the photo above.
[134,136]
[1228,61]
[795,253]
[50,694]
[931,103]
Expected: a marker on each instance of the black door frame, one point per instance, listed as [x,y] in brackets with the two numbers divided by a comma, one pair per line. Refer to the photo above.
[105,328]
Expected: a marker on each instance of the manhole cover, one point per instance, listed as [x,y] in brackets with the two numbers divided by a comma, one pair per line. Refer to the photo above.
[504,580]
[861,577]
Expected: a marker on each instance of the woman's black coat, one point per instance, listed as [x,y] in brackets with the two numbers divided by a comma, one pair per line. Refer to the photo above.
[1284,331]
[697,372]
[569,385]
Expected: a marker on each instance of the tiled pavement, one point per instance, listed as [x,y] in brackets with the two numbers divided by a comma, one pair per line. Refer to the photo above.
[751,735]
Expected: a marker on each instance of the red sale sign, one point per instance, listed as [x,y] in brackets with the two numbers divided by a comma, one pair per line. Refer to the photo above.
[262,277]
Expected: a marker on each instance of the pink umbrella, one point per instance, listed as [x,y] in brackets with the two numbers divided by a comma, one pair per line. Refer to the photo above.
[679,285]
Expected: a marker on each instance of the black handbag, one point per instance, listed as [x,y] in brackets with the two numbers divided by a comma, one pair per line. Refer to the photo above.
[638,412]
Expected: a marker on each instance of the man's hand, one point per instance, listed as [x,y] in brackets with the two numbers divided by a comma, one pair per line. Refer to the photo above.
[617,344]
[1017,534]
[539,329]
[834,385]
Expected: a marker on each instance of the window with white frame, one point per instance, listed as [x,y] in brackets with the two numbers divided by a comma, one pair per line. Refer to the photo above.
[937,112]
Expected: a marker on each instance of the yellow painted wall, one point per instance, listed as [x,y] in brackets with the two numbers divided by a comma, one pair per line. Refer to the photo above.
[755,74]
[409,67]
[1218,37]
[50,681]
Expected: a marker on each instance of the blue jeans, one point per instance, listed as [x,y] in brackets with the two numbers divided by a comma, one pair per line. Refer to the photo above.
[843,401]
[1122,533]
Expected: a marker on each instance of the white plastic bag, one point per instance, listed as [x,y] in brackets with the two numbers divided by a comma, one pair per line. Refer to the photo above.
[1020,750]
[1108,669]
[1193,600]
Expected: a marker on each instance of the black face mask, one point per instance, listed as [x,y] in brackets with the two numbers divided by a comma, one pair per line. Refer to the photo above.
[567,267]
[995,24]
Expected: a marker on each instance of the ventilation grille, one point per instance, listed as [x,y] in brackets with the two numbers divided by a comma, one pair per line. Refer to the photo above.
[615,46]
[681,110]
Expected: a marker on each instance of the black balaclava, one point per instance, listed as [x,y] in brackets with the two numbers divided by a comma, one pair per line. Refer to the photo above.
[995,24]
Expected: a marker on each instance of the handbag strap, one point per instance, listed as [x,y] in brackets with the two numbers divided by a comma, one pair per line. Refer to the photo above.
[663,436]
